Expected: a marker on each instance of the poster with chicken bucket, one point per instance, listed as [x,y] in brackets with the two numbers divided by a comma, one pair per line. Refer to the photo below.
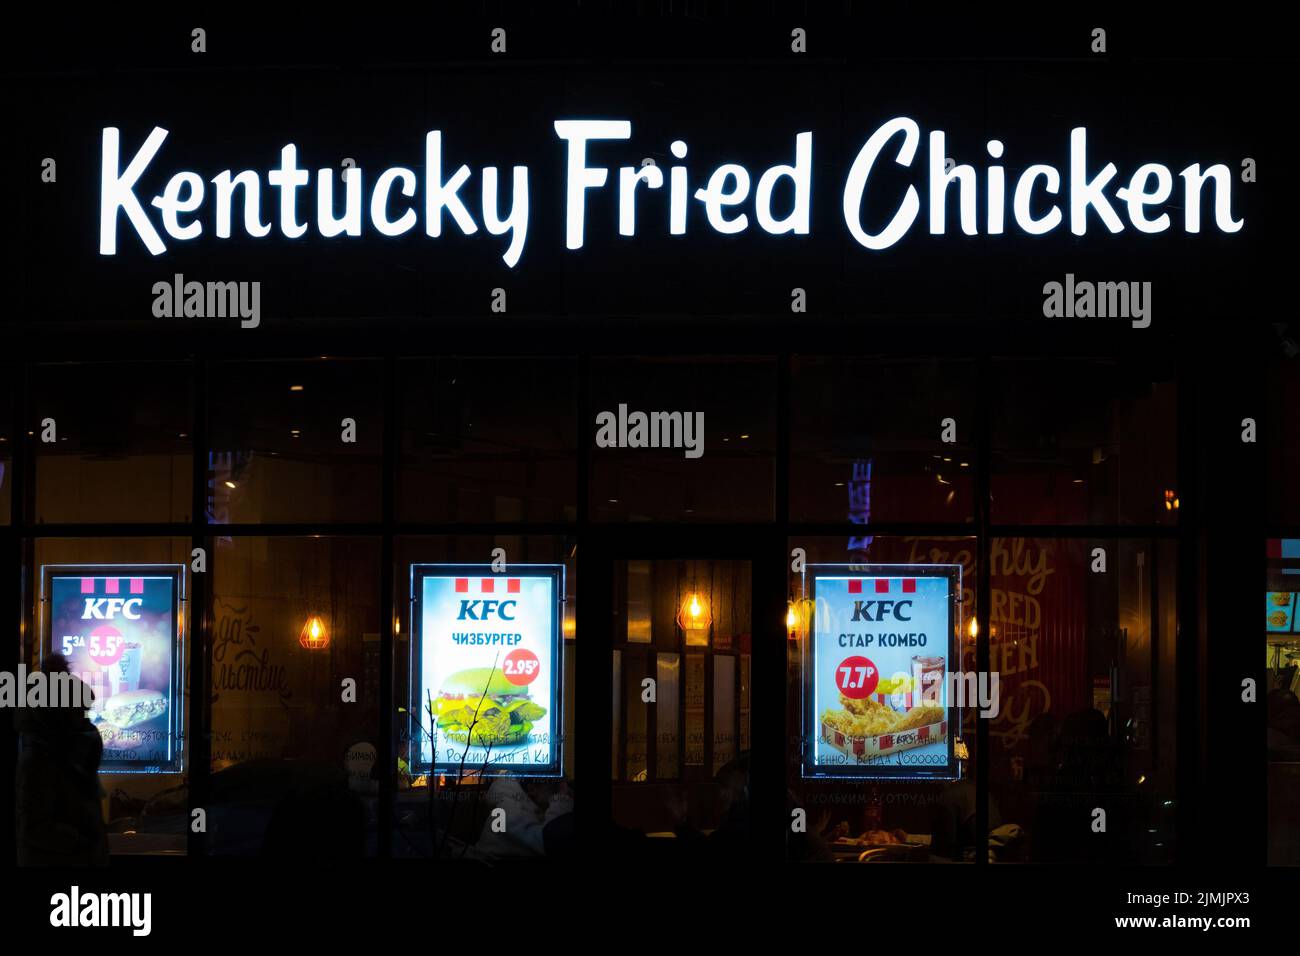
[882,643]
[486,669]
[119,627]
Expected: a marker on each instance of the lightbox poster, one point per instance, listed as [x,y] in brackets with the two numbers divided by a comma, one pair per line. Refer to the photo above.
[486,669]
[881,646]
[119,628]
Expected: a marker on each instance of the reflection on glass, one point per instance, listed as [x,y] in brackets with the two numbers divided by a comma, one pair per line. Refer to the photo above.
[636,767]
[724,710]
[638,602]
[866,444]
[1077,442]
[668,690]
[294,441]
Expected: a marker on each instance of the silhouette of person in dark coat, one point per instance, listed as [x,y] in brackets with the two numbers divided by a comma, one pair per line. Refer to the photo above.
[60,821]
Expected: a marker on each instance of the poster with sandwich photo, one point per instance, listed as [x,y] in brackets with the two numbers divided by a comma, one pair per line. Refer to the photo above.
[486,669]
[877,672]
[117,626]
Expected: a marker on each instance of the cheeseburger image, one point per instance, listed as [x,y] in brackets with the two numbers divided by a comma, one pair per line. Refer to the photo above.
[481,707]
[133,707]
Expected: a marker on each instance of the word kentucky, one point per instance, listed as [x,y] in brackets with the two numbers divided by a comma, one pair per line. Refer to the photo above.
[1039,200]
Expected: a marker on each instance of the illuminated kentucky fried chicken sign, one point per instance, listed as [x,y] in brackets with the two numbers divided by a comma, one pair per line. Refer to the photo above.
[293,199]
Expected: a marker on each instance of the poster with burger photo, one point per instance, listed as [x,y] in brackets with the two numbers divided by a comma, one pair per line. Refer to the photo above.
[486,669]
[117,626]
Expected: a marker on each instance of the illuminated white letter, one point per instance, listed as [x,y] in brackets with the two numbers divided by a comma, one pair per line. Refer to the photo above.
[1193,179]
[1136,196]
[580,178]
[438,194]
[171,203]
[715,197]
[116,191]
[628,177]
[677,191]
[225,184]
[516,223]
[939,180]
[997,190]
[379,201]
[857,184]
[1024,191]
[1085,193]
[326,224]
[288,178]
[801,174]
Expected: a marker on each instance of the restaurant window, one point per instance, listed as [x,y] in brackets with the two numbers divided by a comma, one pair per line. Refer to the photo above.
[484,696]
[682,635]
[294,441]
[1282,649]
[111,442]
[138,669]
[879,755]
[295,696]
[1283,441]
[1084,442]
[1082,751]
[867,441]
[472,451]
[685,439]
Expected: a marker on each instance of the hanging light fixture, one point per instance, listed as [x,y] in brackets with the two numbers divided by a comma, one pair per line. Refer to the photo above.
[797,616]
[695,614]
[314,635]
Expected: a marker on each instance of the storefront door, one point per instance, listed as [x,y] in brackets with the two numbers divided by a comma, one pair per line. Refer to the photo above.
[694,639]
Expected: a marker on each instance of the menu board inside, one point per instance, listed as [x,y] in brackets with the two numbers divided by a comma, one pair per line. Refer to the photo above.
[486,669]
[877,672]
[1281,610]
[118,626]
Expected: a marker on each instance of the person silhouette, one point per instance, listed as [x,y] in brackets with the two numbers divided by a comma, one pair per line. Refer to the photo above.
[59,818]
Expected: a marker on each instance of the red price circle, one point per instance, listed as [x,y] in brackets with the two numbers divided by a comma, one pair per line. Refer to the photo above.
[857,677]
[105,645]
[521,666]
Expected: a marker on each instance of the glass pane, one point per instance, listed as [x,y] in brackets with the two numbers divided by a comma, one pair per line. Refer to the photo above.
[1282,443]
[450,647]
[111,442]
[638,602]
[1086,663]
[667,704]
[1084,442]
[636,767]
[616,727]
[707,456]
[866,440]
[724,710]
[687,794]
[909,818]
[471,450]
[295,441]
[293,618]
[147,813]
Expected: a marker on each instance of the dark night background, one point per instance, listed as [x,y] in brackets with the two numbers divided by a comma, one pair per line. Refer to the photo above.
[1177,89]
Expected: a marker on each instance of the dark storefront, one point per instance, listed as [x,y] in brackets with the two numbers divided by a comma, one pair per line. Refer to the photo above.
[1076,490]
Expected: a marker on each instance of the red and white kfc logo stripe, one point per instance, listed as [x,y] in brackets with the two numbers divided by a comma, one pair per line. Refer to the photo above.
[882,585]
[112,585]
[487,585]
